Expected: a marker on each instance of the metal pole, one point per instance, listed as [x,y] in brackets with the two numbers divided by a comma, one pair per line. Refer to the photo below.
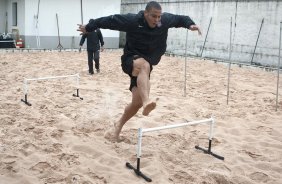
[59,45]
[206,38]
[25,86]
[185,63]
[257,41]
[211,128]
[77,85]
[278,67]
[229,66]
[77,82]
[210,136]
[6,24]
[81,11]
[139,142]
[36,26]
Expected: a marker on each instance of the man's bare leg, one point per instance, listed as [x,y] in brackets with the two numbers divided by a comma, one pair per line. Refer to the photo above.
[129,111]
[141,69]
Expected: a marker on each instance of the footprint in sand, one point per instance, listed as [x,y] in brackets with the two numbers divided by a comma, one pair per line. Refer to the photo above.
[41,167]
[259,177]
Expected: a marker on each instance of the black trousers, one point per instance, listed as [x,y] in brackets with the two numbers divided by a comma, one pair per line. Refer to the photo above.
[93,55]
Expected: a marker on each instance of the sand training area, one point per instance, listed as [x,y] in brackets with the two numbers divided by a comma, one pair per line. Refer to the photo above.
[60,138]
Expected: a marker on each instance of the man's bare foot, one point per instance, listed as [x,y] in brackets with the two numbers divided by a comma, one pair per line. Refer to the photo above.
[113,134]
[148,108]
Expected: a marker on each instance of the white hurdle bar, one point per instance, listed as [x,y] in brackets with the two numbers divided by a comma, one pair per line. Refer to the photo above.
[46,78]
[137,171]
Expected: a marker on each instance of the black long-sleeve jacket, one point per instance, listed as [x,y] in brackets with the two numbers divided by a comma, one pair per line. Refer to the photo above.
[149,43]
[94,39]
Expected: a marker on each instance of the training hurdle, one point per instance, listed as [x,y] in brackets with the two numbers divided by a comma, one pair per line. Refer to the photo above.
[46,78]
[137,171]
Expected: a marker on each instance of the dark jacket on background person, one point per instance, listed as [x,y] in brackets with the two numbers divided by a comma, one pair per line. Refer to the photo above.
[94,39]
[141,40]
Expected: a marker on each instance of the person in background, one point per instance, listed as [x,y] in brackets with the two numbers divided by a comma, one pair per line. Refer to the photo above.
[95,42]
[146,36]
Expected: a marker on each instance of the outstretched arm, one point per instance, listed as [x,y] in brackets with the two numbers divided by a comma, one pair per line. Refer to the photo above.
[114,22]
[195,28]
[172,20]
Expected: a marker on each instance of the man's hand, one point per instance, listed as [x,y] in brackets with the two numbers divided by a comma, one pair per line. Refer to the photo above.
[79,50]
[195,28]
[102,48]
[81,28]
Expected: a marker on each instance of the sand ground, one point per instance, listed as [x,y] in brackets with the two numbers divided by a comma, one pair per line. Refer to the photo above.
[60,138]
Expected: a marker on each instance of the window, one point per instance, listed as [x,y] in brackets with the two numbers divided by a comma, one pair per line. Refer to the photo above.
[15,14]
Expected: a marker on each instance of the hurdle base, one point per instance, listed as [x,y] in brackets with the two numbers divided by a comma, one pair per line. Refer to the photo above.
[25,100]
[27,103]
[209,152]
[138,172]
[77,94]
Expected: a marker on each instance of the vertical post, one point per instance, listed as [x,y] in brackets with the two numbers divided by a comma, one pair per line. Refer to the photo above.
[58,28]
[25,98]
[72,43]
[36,26]
[139,142]
[138,165]
[211,133]
[6,23]
[25,86]
[206,38]
[37,16]
[81,11]
[211,128]
[229,66]
[78,77]
[25,93]
[185,63]
[257,41]
[278,67]
[77,84]
[77,87]
[137,170]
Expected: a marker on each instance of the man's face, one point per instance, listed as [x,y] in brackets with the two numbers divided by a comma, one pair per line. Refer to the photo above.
[153,17]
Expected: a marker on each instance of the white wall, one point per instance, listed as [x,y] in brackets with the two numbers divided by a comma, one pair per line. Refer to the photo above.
[97,8]
[69,15]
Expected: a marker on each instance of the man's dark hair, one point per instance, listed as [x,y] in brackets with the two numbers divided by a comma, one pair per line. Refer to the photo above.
[153,4]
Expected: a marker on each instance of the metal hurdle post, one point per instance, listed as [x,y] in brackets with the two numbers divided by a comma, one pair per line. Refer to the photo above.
[25,93]
[262,21]
[206,38]
[139,144]
[77,87]
[185,69]
[278,67]
[45,78]
[229,65]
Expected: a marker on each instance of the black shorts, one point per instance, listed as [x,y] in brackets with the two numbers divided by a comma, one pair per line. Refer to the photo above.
[127,67]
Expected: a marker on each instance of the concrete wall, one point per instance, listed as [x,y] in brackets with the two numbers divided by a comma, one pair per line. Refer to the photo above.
[69,15]
[246,16]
